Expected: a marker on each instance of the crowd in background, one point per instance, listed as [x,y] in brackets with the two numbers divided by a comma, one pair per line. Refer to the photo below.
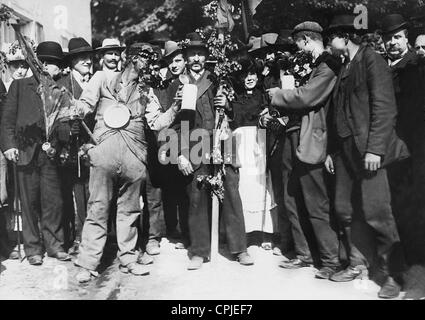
[330,130]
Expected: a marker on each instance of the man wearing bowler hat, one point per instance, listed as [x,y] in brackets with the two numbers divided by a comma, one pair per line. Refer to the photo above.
[22,136]
[407,178]
[364,144]
[74,174]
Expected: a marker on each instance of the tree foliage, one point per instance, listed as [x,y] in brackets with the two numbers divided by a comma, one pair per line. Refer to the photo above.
[139,19]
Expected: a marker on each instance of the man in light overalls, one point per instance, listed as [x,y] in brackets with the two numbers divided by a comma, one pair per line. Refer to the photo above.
[118,161]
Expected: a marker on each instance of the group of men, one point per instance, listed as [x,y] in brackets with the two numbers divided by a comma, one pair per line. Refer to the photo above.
[364,121]
[358,119]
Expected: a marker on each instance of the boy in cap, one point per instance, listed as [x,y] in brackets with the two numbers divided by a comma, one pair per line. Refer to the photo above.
[306,153]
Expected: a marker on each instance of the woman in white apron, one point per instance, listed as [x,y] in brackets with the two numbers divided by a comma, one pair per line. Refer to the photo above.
[255,187]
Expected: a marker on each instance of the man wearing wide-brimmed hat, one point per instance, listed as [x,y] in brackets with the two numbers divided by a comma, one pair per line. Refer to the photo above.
[305,152]
[175,198]
[364,143]
[73,173]
[110,56]
[204,119]
[122,109]
[22,135]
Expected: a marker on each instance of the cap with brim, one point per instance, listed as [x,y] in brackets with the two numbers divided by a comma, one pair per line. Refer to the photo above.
[242,49]
[13,52]
[17,56]
[160,38]
[110,44]
[309,26]
[343,23]
[284,42]
[77,46]
[50,50]
[194,40]
[139,47]
[171,48]
[260,44]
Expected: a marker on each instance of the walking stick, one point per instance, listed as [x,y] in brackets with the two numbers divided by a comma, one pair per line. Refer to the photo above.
[17,207]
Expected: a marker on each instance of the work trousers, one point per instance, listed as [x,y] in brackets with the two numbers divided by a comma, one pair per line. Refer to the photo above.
[367,194]
[114,166]
[308,206]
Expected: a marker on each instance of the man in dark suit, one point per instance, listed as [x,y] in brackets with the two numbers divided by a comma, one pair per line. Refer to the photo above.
[22,136]
[364,118]
[199,204]
[305,152]
[74,175]
[175,197]
[407,178]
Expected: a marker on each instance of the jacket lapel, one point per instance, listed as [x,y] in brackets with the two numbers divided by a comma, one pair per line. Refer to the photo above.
[203,83]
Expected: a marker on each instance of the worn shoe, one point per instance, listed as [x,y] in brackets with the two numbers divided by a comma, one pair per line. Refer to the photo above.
[84,275]
[266,246]
[195,263]
[152,247]
[36,260]
[75,249]
[144,259]
[180,245]
[14,255]
[277,252]
[294,264]
[415,294]
[350,274]
[62,256]
[326,273]
[135,269]
[245,259]
[390,290]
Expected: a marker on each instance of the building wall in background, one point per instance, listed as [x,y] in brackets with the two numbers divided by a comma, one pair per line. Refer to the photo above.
[53,20]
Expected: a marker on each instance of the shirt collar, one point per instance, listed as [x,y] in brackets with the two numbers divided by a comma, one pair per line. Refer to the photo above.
[196,76]
[393,63]
[82,81]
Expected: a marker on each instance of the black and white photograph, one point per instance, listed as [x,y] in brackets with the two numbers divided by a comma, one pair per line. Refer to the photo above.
[226,152]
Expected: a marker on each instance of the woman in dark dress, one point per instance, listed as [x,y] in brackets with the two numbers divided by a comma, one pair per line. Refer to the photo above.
[255,185]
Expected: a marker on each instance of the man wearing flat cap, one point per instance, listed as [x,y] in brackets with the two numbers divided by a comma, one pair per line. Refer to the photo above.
[123,106]
[365,143]
[305,153]
[23,138]
[74,174]
[407,178]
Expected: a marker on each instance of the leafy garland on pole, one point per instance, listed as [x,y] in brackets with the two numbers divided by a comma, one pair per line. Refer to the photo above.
[220,44]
